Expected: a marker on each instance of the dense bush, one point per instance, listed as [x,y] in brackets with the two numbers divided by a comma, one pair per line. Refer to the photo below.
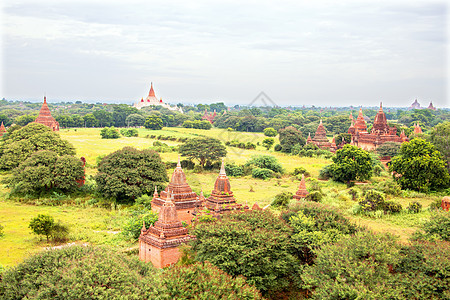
[234,170]
[254,244]
[23,142]
[388,149]
[315,196]
[130,132]
[262,173]
[351,163]
[77,273]
[203,149]
[282,199]
[153,122]
[372,201]
[355,267]
[132,229]
[128,173]
[1,231]
[270,132]
[265,162]
[109,133]
[325,173]
[197,124]
[392,207]
[277,147]
[289,137]
[414,207]
[419,166]
[299,171]
[389,187]
[268,143]
[242,145]
[44,172]
[42,225]
[437,227]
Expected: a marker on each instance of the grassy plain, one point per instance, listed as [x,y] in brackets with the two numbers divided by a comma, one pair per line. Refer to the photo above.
[100,226]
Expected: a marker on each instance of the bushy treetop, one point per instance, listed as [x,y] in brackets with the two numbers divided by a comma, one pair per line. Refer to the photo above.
[203,149]
[351,163]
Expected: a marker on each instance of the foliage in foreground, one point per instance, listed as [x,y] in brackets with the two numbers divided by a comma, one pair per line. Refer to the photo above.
[254,244]
[436,228]
[128,173]
[98,273]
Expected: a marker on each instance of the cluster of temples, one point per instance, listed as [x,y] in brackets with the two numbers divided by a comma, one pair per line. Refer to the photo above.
[209,117]
[159,243]
[379,134]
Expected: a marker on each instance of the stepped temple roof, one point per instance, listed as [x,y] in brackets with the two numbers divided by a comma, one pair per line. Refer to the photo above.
[415,105]
[221,196]
[210,117]
[178,191]
[360,124]
[168,232]
[321,133]
[380,125]
[45,117]
[302,192]
[417,129]
[431,106]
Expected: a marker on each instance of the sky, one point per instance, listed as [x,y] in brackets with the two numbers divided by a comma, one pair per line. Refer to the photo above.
[322,53]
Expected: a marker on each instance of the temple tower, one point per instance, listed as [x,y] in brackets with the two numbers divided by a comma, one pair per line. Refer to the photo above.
[380,125]
[221,196]
[178,191]
[417,129]
[45,117]
[159,243]
[302,192]
[2,129]
[360,124]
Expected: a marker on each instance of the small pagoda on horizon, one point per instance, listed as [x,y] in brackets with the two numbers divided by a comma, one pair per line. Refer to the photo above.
[45,117]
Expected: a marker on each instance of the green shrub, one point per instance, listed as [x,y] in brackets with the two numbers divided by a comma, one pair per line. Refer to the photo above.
[42,225]
[60,232]
[262,173]
[414,207]
[372,201]
[389,187]
[129,132]
[1,231]
[282,199]
[277,147]
[325,173]
[438,225]
[109,133]
[265,162]
[144,200]
[234,170]
[377,170]
[132,229]
[198,169]
[354,193]
[391,206]
[269,131]
[300,171]
[315,196]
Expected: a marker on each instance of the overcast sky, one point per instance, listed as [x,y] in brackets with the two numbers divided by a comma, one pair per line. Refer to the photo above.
[323,53]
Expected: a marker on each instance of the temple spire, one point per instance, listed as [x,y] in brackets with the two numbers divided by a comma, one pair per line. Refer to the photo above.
[222,169]
[152,92]
[179,163]
[45,99]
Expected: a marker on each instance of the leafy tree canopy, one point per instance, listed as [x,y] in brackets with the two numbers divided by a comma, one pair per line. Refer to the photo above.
[44,171]
[351,163]
[203,149]
[419,166]
[289,137]
[440,138]
[153,122]
[42,224]
[265,162]
[128,173]
[22,143]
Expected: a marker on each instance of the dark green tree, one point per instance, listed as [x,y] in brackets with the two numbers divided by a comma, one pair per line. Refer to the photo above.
[44,172]
[289,137]
[346,137]
[268,142]
[135,120]
[25,119]
[419,166]
[440,138]
[128,173]
[22,143]
[42,225]
[121,112]
[388,149]
[270,132]
[153,122]
[90,120]
[109,133]
[203,149]
[104,117]
[351,163]
[254,244]
[337,124]
[265,162]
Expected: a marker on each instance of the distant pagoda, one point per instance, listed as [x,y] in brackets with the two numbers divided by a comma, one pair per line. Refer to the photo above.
[180,193]
[45,117]
[2,130]
[151,99]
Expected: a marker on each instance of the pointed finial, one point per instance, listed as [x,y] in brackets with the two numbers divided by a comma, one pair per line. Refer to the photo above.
[320,122]
[201,193]
[179,163]
[45,99]
[222,168]
[156,192]
[143,226]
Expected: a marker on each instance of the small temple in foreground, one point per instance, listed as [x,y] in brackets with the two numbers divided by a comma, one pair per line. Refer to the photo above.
[153,100]
[379,134]
[45,117]
[159,243]
[302,192]
[180,193]
[2,129]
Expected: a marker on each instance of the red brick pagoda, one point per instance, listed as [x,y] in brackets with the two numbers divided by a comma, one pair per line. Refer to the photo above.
[417,129]
[320,138]
[302,192]
[180,192]
[221,198]
[45,117]
[380,133]
[159,243]
[210,117]
[2,130]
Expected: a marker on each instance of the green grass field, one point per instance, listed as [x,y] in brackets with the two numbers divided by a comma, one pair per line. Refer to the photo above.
[98,225]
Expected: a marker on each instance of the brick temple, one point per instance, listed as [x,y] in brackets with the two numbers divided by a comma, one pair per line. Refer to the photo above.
[178,191]
[222,198]
[159,244]
[151,99]
[2,130]
[320,138]
[379,134]
[45,117]
[210,117]
[302,192]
